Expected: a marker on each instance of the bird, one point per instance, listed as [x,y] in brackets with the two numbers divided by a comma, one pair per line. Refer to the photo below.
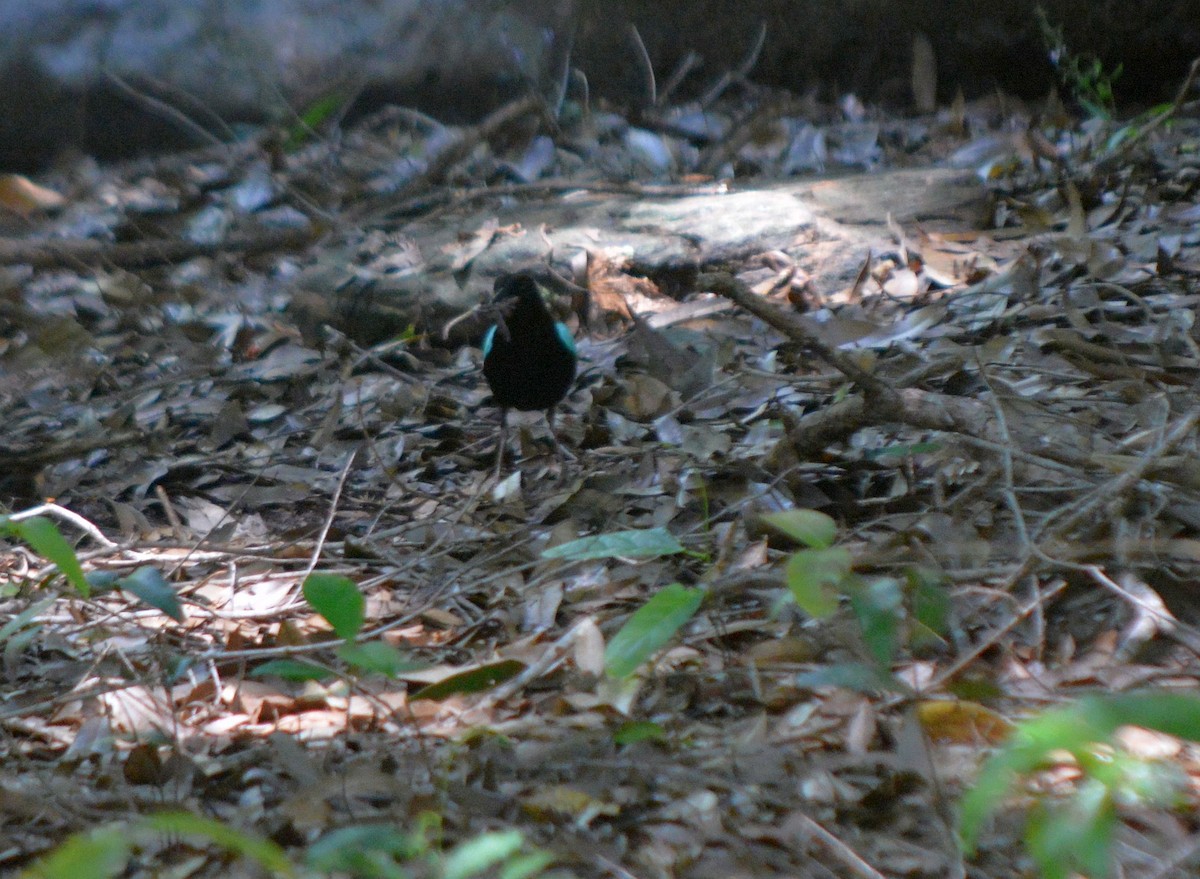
[529,358]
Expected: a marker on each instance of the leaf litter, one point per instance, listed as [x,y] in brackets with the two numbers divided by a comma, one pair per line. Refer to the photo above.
[1006,411]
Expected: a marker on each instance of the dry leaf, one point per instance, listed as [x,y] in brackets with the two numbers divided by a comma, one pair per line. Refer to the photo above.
[22,196]
[964,723]
[562,801]
[610,288]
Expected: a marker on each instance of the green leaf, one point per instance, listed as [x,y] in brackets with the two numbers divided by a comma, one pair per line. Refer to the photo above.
[901,451]
[974,689]
[637,544]
[930,600]
[477,680]
[338,600]
[1075,836]
[151,587]
[311,119]
[378,657]
[804,526]
[985,797]
[649,628]
[266,853]
[345,849]
[481,853]
[856,676]
[1076,728]
[102,581]
[1176,714]
[811,575]
[97,855]
[526,865]
[25,618]
[291,670]
[639,731]
[879,606]
[322,109]
[45,539]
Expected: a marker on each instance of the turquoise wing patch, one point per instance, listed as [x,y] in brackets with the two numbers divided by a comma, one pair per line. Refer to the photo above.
[487,340]
[564,336]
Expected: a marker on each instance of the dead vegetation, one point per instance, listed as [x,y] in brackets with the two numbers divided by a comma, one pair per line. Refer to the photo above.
[1007,412]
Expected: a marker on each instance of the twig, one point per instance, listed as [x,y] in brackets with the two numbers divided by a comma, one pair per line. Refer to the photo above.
[647,67]
[742,130]
[447,197]
[562,82]
[1118,486]
[1164,621]
[169,510]
[68,516]
[682,69]
[328,523]
[198,109]
[880,400]
[848,857]
[1180,96]
[739,72]
[733,289]
[165,110]
[952,671]
[471,137]
[1008,488]
[551,657]
[52,253]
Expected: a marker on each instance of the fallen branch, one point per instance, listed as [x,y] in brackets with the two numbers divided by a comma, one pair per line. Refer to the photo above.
[49,253]
[879,401]
[731,288]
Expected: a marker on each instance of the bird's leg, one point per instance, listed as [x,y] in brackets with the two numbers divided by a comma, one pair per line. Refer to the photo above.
[503,441]
[559,450]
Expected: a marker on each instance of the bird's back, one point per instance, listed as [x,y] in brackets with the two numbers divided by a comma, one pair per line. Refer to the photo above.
[530,361]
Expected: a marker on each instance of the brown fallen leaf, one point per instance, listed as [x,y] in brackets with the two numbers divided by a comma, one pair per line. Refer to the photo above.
[610,287]
[962,722]
[22,196]
[561,801]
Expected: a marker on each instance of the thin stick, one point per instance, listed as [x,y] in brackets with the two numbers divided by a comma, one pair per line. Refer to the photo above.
[1114,488]
[739,72]
[1141,134]
[647,66]
[165,110]
[848,857]
[46,253]
[997,636]
[328,523]
[690,60]
[66,515]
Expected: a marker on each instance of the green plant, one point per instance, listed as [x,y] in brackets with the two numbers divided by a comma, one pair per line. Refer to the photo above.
[656,622]
[43,537]
[325,111]
[369,851]
[338,600]
[1074,833]
[46,540]
[1082,73]
[910,609]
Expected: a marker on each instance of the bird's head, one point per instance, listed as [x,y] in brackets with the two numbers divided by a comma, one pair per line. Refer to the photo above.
[521,287]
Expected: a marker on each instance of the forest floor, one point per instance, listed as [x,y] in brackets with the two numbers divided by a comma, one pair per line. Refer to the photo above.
[241,371]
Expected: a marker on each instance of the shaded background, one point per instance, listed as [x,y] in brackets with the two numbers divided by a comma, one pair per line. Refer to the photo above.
[135,75]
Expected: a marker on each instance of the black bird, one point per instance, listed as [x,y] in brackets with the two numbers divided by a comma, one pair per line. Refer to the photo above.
[528,356]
